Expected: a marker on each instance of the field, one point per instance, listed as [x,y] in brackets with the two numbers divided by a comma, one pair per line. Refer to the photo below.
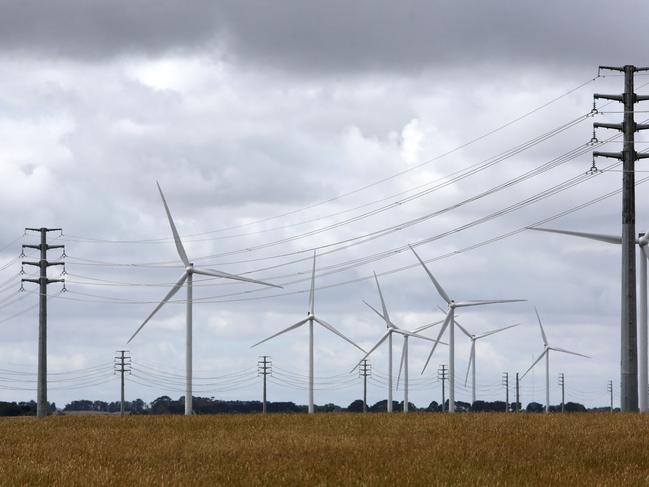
[327,449]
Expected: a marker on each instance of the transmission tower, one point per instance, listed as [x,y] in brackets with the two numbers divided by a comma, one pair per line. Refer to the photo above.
[628,156]
[264,368]
[122,365]
[506,386]
[609,388]
[42,406]
[365,371]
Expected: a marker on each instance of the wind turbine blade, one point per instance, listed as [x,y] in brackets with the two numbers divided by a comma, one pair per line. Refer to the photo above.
[377,345]
[612,239]
[471,356]
[388,323]
[441,332]
[535,362]
[481,302]
[568,351]
[292,327]
[545,339]
[643,249]
[332,329]
[403,356]
[426,326]
[226,275]
[463,329]
[312,288]
[492,332]
[179,244]
[437,285]
[385,309]
[169,295]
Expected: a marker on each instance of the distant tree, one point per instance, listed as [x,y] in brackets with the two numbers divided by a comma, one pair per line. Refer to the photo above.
[382,406]
[534,407]
[79,405]
[356,406]
[433,407]
[575,407]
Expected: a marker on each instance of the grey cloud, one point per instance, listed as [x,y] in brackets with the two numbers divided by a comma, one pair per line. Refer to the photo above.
[336,35]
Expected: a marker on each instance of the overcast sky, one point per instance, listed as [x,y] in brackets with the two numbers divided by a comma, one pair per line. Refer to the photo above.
[278,127]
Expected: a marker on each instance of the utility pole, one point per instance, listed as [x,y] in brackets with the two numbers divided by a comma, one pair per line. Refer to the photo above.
[506,385]
[609,388]
[42,405]
[562,383]
[518,398]
[442,375]
[629,331]
[264,368]
[364,371]
[122,364]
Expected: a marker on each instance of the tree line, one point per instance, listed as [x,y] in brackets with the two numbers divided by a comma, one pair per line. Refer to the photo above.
[209,405]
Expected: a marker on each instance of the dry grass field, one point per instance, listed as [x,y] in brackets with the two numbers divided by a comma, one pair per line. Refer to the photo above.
[327,449]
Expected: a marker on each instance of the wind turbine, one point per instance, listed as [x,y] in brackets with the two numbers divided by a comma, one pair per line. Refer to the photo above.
[311,319]
[546,353]
[187,275]
[475,338]
[449,323]
[392,328]
[643,357]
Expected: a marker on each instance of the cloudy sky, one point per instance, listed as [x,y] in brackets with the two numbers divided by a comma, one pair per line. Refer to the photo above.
[276,128]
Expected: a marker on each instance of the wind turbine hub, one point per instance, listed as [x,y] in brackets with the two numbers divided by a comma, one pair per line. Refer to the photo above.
[190,268]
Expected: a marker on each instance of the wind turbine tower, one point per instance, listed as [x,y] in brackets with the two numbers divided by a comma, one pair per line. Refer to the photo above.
[546,353]
[392,328]
[449,323]
[311,319]
[187,277]
[643,360]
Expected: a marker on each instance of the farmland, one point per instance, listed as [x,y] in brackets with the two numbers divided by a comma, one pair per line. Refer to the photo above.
[327,449]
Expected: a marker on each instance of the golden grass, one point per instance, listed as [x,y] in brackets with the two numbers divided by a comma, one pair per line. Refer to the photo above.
[327,449]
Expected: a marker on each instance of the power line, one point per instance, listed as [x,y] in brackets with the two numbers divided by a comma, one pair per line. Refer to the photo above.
[396,175]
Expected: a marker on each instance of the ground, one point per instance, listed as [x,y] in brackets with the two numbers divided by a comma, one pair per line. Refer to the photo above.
[327,449]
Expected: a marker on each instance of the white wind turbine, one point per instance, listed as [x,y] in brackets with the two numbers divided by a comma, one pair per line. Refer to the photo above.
[643,356]
[449,323]
[471,367]
[546,353]
[188,272]
[311,319]
[392,328]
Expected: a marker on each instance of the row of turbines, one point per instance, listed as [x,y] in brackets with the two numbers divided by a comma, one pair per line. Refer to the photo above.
[448,323]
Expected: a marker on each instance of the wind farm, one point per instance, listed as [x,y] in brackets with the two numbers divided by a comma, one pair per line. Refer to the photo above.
[324,243]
